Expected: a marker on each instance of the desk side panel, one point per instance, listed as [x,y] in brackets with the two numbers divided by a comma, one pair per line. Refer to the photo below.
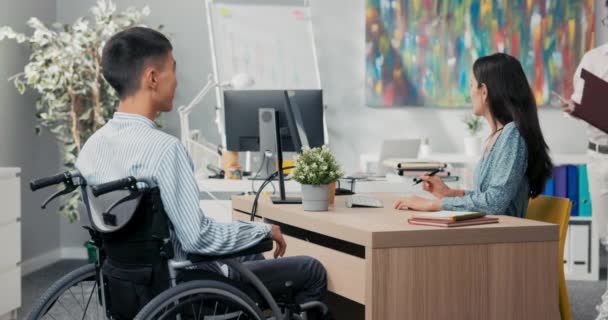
[345,273]
[429,283]
[524,282]
[499,281]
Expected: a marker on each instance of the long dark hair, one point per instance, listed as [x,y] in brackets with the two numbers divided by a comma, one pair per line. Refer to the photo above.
[511,100]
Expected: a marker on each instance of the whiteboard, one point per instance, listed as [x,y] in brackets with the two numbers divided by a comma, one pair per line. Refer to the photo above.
[270,40]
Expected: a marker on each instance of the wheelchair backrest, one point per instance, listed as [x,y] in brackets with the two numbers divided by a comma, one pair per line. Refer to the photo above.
[134,230]
[136,246]
[108,222]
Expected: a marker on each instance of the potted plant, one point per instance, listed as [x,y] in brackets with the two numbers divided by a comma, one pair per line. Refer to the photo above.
[316,169]
[74,100]
[472,142]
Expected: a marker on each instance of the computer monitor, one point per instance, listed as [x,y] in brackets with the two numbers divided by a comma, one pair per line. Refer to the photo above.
[241,114]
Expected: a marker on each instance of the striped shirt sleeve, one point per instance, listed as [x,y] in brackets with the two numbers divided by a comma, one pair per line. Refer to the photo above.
[196,232]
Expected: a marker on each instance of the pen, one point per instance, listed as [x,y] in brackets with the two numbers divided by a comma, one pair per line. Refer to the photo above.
[432,173]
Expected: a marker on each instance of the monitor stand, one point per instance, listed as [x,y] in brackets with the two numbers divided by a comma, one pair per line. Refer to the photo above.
[282,199]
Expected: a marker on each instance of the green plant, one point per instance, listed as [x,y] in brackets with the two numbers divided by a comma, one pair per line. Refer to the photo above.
[316,166]
[473,124]
[64,69]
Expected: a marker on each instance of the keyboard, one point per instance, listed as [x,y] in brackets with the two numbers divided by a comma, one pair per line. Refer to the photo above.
[363,201]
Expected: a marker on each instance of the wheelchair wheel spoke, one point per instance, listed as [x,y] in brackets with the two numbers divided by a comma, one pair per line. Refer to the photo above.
[82,291]
[88,301]
[76,299]
[66,309]
[50,315]
[200,308]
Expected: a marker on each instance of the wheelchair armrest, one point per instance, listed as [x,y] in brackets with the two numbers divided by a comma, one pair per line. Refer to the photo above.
[263,246]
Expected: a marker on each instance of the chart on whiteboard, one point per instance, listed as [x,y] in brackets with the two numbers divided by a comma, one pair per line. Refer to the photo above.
[276,51]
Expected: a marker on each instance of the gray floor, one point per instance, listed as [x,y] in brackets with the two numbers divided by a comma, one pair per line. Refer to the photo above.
[584,295]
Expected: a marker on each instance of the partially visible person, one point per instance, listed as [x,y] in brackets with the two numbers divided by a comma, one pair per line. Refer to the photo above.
[138,63]
[515,164]
[596,62]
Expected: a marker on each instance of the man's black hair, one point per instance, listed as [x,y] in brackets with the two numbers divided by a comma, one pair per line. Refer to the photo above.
[127,53]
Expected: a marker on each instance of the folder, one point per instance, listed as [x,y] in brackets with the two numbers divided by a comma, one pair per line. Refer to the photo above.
[572,188]
[561,184]
[584,197]
[592,108]
[550,187]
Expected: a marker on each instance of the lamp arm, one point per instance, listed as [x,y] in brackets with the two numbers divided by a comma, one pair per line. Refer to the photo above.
[199,96]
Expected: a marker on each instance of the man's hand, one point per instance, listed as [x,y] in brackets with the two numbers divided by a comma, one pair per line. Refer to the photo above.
[281,245]
[568,108]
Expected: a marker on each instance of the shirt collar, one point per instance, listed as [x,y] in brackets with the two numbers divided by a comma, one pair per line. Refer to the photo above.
[124,116]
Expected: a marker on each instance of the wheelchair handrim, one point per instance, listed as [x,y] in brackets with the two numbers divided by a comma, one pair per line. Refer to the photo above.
[181,295]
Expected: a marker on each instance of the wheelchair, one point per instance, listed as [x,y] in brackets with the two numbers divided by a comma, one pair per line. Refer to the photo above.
[136,275]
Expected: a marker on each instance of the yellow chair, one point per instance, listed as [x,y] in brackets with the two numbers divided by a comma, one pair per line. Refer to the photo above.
[555,210]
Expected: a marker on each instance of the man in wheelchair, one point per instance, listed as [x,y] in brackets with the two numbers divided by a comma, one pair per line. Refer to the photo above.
[138,63]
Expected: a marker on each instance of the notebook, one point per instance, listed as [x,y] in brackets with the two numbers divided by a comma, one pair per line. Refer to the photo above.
[457,223]
[447,216]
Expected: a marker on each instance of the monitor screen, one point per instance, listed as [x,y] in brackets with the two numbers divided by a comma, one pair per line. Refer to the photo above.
[242,124]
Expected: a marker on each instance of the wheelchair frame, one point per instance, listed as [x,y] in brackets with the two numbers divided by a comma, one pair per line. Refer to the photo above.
[73,180]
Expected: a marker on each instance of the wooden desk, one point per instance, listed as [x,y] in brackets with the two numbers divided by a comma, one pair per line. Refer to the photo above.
[507,270]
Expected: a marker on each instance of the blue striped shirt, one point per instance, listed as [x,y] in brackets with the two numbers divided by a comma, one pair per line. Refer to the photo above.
[132,145]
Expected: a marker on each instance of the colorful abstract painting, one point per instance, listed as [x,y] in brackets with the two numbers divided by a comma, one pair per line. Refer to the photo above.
[421,52]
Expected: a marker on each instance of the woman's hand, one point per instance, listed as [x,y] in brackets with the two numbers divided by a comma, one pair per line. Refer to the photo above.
[418,204]
[438,188]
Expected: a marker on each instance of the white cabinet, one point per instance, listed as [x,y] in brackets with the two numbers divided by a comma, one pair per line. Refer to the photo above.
[581,251]
[580,241]
[10,242]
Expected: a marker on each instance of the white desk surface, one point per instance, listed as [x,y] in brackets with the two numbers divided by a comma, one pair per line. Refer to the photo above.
[558,158]
[392,185]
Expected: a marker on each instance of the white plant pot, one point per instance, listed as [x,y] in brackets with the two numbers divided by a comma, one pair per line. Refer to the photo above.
[315,198]
[424,151]
[472,146]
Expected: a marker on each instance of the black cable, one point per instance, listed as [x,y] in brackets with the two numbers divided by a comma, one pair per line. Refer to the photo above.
[257,174]
[274,190]
[254,207]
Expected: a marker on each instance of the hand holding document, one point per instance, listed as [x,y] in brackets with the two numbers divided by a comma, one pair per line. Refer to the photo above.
[592,108]
[567,105]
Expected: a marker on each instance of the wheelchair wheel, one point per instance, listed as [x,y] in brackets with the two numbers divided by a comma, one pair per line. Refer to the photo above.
[201,299]
[74,296]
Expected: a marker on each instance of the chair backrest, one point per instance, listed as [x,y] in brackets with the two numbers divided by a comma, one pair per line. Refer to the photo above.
[555,210]
[551,210]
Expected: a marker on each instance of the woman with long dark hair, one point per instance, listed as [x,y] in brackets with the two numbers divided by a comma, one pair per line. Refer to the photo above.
[515,165]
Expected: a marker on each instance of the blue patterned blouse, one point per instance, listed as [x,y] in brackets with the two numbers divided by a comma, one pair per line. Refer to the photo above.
[501,184]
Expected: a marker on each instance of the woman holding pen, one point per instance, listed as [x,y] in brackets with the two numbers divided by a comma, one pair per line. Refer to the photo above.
[515,164]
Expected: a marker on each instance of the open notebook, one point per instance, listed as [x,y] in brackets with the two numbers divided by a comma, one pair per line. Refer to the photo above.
[451,219]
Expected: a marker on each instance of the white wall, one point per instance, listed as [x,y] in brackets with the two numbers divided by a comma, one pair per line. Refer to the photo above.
[19,146]
[353,127]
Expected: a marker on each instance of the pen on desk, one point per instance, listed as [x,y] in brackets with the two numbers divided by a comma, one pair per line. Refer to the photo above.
[432,173]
